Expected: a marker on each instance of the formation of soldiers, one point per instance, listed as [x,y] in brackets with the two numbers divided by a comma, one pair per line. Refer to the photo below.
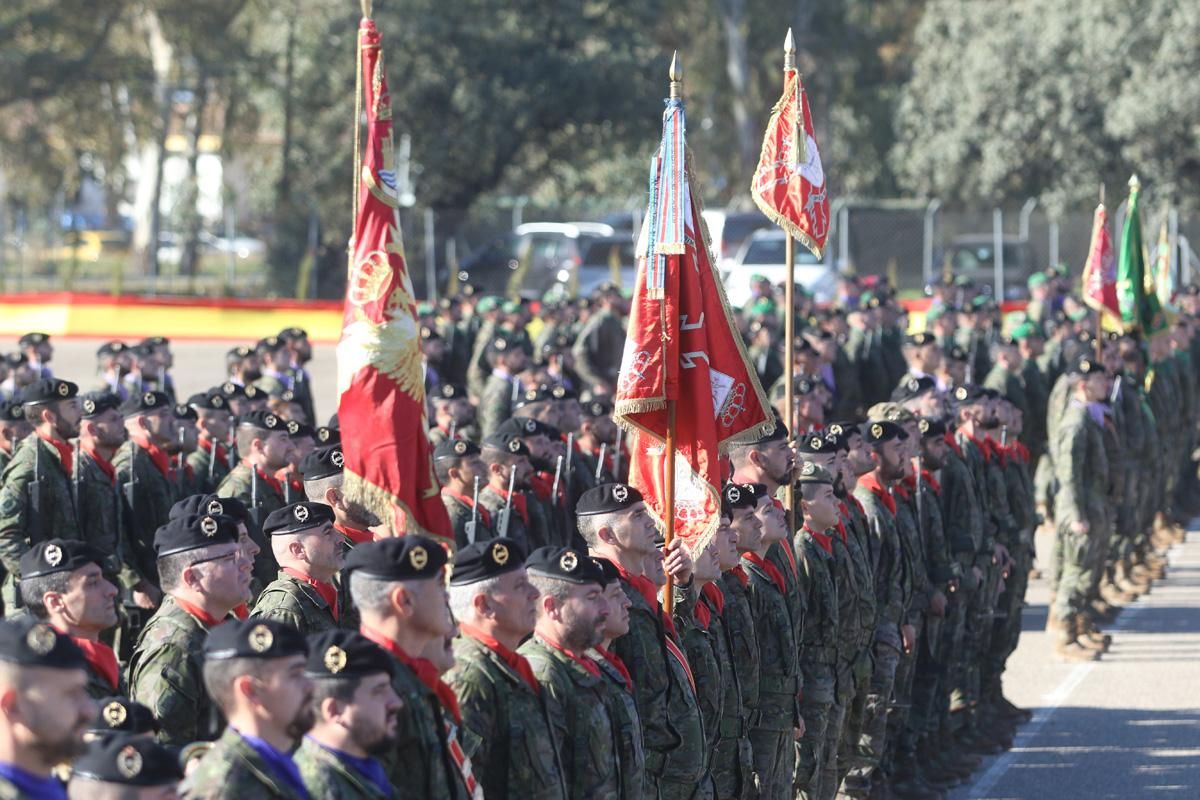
[188,592]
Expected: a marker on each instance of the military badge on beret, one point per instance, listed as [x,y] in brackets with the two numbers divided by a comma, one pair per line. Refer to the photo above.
[300,513]
[447,390]
[923,426]
[531,394]
[836,429]
[558,392]
[323,434]
[1084,365]
[64,389]
[337,458]
[876,430]
[531,426]
[40,639]
[569,562]
[217,402]
[148,399]
[816,443]
[620,493]
[733,494]
[260,638]
[53,555]
[809,468]
[129,761]
[89,406]
[292,427]
[271,421]
[514,446]
[229,388]
[460,447]
[335,659]
[114,714]
[418,557]
[209,526]
[499,554]
[960,393]
[215,508]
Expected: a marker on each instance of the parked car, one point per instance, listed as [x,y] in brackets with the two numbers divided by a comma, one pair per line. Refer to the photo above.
[973,256]
[764,253]
[728,230]
[530,261]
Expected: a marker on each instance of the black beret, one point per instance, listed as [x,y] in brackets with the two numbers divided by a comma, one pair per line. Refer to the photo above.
[263,419]
[607,498]
[252,392]
[293,334]
[429,334]
[256,637]
[506,443]
[286,395]
[880,431]
[839,440]
[272,344]
[327,435]
[455,448]
[184,411]
[921,339]
[48,391]
[1087,366]
[814,473]
[912,387]
[297,429]
[32,339]
[229,390]
[297,517]
[14,360]
[968,393]
[111,349]
[345,654]
[142,350]
[212,400]
[333,422]
[527,426]
[11,411]
[96,403]
[28,643]
[156,341]
[142,402]
[539,394]
[598,407]
[403,558]
[451,391]
[812,443]
[122,715]
[501,344]
[778,433]
[736,495]
[565,564]
[957,353]
[128,760]
[210,504]
[931,428]
[486,559]
[193,532]
[323,462]
[842,428]
[59,555]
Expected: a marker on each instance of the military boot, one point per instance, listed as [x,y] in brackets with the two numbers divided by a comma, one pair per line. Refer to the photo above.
[933,770]
[1066,648]
[1053,623]
[955,757]
[1091,637]
[907,783]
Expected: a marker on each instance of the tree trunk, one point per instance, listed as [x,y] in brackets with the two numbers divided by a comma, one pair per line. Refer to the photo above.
[191,214]
[737,67]
[147,219]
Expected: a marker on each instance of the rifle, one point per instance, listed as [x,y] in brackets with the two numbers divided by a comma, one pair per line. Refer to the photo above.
[453,428]
[75,480]
[470,529]
[180,472]
[600,461]
[557,477]
[130,487]
[212,462]
[35,485]
[252,512]
[506,512]
[617,455]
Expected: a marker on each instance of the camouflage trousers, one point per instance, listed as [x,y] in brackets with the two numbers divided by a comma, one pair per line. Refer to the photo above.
[733,766]
[1076,553]
[900,736]
[977,637]
[774,763]
[673,790]
[816,752]
[854,701]
[1006,628]
[873,737]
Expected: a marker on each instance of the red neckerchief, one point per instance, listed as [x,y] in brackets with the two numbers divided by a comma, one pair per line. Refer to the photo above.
[927,476]
[852,499]
[215,448]
[269,480]
[741,575]
[702,615]
[872,484]
[841,526]
[950,440]
[484,514]
[65,455]
[766,566]
[1023,452]
[787,551]
[158,456]
[983,448]
[296,484]
[542,484]
[355,534]
[423,668]
[514,660]
[242,611]
[996,450]
[903,487]
[519,502]
[200,615]
[618,665]
[646,588]
[823,539]
[101,658]
[103,463]
[582,661]
[715,596]
[327,591]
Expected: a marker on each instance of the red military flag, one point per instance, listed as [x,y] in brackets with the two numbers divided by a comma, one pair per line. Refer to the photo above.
[1100,271]
[381,378]
[682,346]
[789,185]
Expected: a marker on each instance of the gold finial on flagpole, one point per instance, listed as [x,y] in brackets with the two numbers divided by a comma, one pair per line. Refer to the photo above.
[675,73]
[366,8]
[789,52]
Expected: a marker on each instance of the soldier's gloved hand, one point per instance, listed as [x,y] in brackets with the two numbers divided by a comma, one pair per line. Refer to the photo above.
[677,561]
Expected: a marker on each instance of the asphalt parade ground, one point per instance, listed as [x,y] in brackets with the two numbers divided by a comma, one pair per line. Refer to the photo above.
[1127,726]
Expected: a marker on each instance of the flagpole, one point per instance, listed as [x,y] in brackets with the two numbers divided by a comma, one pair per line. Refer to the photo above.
[789,299]
[676,75]
[358,93]
[1100,314]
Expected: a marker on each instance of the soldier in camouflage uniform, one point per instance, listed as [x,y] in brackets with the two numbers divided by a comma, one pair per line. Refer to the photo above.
[37,500]
[13,428]
[398,586]
[323,480]
[601,341]
[101,432]
[300,350]
[211,460]
[613,520]
[63,585]
[252,757]
[571,614]
[519,517]
[461,472]
[309,553]
[503,386]
[265,448]
[505,730]
[205,575]
[352,678]
[453,415]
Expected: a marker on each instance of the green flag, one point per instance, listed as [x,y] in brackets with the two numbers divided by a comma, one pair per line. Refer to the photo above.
[1135,287]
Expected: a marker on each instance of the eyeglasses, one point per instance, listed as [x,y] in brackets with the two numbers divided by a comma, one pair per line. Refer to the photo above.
[230,557]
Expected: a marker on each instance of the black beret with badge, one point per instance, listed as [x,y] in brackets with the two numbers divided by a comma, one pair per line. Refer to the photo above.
[813,473]
[1087,366]
[183,411]
[94,404]
[486,559]
[193,532]
[59,555]
[293,334]
[127,759]
[967,394]
[230,390]
[256,638]
[212,400]
[263,419]
[880,431]
[296,518]
[297,429]
[455,449]
[735,496]
[328,435]
[506,443]
[597,407]
[252,392]
[451,391]
[31,339]
[211,505]
[11,411]
[403,558]
[48,391]
[111,349]
[778,433]
[913,387]
[345,654]
[144,403]
[607,498]
[920,339]
[931,428]
[537,394]
[121,715]
[28,643]
[565,564]
[839,440]
[323,462]
[814,443]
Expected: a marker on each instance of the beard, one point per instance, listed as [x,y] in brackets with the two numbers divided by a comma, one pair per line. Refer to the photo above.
[303,721]
[582,634]
[375,743]
[839,486]
[65,429]
[991,423]
[361,514]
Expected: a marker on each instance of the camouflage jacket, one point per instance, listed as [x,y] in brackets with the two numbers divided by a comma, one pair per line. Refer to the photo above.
[738,617]
[153,495]
[627,725]
[857,624]
[460,512]
[819,645]
[912,549]
[579,720]
[1037,394]
[730,758]
[233,770]
[327,775]
[288,599]
[976,463]
[243,484]
[5,457]
[780,680]
[505,731]
[672,730]
[1081,468]
[887,566]
[699,642]
[99,516]
[166,675]
[20,524]
[208,473]
[962,512]
[598,349]
[495,403]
